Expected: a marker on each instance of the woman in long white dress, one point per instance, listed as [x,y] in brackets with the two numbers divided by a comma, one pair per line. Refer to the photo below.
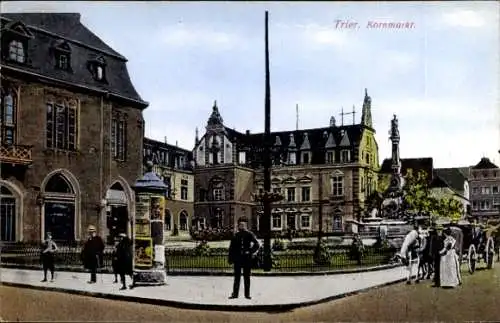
[450,264]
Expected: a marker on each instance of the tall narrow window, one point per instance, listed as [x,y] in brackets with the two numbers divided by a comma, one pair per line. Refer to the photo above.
[330,157]
[8,107]
[337,186]
[184,189]
[62,126]
[63,62]
[118,137]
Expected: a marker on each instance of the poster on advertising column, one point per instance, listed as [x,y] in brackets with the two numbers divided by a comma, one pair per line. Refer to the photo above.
[143,252]
[157,217]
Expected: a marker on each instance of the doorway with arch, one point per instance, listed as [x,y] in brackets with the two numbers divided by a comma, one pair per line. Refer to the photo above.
[60,206]
[117,211]
[10,211]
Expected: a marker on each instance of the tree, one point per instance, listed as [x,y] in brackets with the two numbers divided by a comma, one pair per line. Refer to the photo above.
[417,194]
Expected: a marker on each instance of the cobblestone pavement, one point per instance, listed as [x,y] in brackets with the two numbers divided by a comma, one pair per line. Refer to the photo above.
[266,290]
[477,299]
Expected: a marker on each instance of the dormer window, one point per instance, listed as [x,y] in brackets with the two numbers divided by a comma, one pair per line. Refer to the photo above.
[98,69]
[305,158]
[345,156]
[99,74]
[15,37]
[62,55]
[292,158]
[62,62]
[17,51]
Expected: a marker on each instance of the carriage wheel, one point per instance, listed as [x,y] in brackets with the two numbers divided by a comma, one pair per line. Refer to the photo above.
[489,253]
[471,258]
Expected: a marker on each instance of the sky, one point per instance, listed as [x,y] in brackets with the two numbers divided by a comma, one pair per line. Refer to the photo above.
[440,77]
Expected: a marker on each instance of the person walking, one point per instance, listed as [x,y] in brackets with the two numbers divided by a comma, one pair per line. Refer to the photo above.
[437,244]
[242,249]
[92,254]
[450,266]
[124,259]
[49,248]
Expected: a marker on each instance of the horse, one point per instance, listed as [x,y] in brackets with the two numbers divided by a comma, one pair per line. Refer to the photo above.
[409,253]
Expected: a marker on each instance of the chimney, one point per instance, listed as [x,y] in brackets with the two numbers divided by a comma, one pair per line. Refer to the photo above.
[247,132]
[176,143]
[166,140]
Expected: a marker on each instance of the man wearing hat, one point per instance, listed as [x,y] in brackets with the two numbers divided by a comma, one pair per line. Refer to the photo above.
[92,253]
[124,258]
[242,249]
[436,245]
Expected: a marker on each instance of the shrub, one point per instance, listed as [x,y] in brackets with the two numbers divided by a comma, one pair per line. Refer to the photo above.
[202,249]
[278,245]
[322,255]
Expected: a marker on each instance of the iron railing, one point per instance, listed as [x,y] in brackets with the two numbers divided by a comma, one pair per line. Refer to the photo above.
[297,258]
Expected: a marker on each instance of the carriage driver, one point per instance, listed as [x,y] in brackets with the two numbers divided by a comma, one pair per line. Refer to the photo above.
[477,233]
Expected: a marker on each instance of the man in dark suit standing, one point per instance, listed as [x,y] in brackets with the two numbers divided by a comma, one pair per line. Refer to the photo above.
[242,249]
[437,244]
[92,254]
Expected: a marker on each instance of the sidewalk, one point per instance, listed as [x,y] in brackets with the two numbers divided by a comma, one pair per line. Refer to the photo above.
[211,293]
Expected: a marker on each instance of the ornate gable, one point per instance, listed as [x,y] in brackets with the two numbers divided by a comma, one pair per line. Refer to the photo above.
[305,179]
[305,144]
[289,180]
[330,142]
[345,142]
[275,180]
[19,29]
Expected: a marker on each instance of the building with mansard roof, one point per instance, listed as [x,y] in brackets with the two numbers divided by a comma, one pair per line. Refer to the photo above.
[71,131]
[324,174]
[174,165]
[485,190]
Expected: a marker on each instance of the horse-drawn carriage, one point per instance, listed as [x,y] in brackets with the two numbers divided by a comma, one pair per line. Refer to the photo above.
[475,244]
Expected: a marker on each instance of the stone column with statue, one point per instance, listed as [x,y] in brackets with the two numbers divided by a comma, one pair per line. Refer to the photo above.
[149,251]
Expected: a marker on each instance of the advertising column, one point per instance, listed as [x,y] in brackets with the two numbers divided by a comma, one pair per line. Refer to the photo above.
[149,252]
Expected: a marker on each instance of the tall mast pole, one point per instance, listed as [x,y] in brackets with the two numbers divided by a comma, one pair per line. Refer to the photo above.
[267,159]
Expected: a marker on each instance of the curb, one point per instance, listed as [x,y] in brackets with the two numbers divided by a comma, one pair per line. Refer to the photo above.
[230,273]
[269,308]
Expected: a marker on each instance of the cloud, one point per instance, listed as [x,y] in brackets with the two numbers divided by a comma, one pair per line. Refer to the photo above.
[464,18]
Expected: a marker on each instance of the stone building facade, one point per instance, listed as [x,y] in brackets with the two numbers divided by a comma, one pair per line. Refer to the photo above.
[485,190]
[72,130]
[174,166]
[326,171]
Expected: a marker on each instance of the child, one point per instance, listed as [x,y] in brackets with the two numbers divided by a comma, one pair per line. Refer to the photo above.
[49,247]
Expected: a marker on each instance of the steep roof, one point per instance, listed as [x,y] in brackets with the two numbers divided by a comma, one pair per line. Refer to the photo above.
[453,177]
[165,146]
[485,163]
[416,164]
[50,30]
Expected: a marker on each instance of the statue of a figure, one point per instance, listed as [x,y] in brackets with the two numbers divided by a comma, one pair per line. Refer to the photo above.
[394,127]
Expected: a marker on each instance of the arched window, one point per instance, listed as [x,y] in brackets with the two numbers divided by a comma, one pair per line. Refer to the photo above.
[58,184]
[7,215]
[183,221]
[59,208]
[168,220]
[8,108]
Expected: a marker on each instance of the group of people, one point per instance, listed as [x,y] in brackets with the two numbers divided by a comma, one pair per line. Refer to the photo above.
[92,257]
[437,254]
